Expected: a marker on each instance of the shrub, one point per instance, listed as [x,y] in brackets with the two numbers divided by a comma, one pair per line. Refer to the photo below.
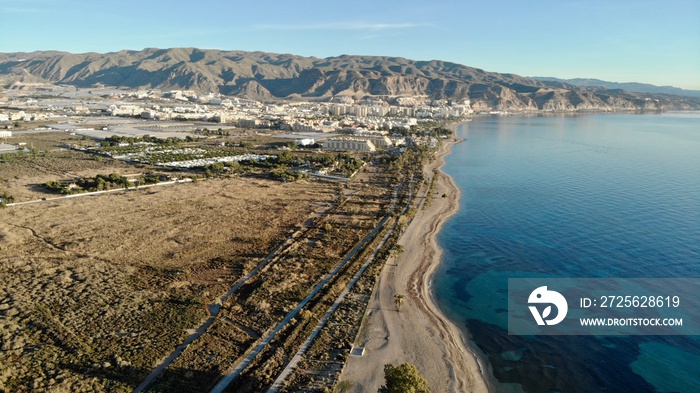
[403,379]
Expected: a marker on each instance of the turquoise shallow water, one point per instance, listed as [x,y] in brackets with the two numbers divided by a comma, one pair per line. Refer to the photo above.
[601,195]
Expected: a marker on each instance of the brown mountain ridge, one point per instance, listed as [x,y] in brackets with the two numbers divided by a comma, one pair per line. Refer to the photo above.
[269,76]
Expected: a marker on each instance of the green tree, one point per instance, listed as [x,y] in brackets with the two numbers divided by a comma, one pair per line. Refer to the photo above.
[286,158]
[403,379]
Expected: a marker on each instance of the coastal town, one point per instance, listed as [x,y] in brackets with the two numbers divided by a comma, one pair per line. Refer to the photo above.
[384,197]
[249,237]
[343,124]
[49,103]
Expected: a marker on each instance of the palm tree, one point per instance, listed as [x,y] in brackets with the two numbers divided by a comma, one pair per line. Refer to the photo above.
[399,299]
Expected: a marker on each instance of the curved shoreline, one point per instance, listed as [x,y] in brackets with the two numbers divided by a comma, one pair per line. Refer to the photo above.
[421,281]
[420,333]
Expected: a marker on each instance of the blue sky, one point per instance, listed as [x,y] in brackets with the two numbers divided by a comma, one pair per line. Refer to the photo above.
[654,42]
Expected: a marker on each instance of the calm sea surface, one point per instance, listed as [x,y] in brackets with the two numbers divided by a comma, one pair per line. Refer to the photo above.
[601,195]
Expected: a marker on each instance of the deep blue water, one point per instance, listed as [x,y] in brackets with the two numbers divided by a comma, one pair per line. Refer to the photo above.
[600,195]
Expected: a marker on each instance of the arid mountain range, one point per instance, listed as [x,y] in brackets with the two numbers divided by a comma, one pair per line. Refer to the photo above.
[630,86]
[268,76]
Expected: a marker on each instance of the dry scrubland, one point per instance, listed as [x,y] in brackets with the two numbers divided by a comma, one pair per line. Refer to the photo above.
[97,289]
[21,176]
[332,237]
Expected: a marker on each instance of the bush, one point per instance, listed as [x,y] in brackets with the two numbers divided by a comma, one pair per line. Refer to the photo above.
[287,175]
[5,199]
[403,379]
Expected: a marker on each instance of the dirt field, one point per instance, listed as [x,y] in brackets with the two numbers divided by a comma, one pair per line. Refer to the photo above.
[97,289]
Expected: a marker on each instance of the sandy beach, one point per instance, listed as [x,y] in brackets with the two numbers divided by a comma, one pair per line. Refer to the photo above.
[420,333]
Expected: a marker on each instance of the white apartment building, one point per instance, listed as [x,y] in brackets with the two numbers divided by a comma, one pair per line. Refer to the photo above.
[248,123]
[125,110]
[380,141]
[402,111]
[339,110]
[301,127]
[360,111]
[349,144]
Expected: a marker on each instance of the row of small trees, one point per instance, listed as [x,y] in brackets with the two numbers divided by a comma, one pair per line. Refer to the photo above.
[115,140]
[97,183]
[101,183]
[412,159]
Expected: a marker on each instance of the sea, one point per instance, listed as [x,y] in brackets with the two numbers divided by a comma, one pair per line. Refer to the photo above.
[572,196]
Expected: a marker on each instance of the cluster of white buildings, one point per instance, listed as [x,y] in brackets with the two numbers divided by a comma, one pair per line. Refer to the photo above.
[254,114]
[362,119]
[13,116]
[191,105]
[363,141]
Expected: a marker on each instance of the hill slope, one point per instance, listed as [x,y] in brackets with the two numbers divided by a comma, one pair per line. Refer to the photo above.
[630,86]
[262,75]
